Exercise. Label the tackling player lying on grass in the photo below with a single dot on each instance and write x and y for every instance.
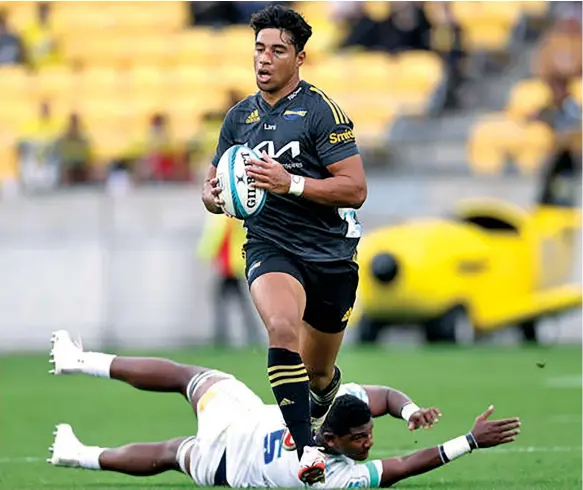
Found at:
(239, 439)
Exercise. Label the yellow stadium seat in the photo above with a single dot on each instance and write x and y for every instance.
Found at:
(315, 12)
(54, 81)
(146, 49)
(490, 142)
(20, 14)
(575, 89)
(8, 162)
(485, 35)
(97, 83)
(146, 79)
(534, 147)
(192, 46)
(419, 75)
(15, 82)
(377, 11)
(527, 98)
(187, 79)
(535, 8)
(234, 78)
(16, 112)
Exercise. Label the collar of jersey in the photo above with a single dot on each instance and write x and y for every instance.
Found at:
(264, 106)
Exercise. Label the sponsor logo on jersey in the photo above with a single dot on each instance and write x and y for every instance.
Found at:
(347, 135)
(293, 114)
(269, 147)
(253, 117)
(269, 127)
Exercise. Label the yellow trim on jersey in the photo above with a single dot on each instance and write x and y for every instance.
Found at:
(285, 368)
(339, 116)
(290, 381)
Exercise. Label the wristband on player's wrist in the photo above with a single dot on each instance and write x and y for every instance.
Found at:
(408, 409)
(457, 447)
(296, 185)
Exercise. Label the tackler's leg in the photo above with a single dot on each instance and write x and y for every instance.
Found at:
(141, 459)
(143, 373)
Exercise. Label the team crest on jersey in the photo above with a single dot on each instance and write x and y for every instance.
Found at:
(293, 114)
(253, 117)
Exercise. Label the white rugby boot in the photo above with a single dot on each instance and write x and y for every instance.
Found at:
(66, 449)
(312, 466)
(66, 354)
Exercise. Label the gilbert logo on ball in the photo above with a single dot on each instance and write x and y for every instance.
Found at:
(241, 199)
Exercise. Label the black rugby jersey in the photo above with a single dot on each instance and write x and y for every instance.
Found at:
(305, 131)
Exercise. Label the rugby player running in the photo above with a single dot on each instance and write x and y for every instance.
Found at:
(239, 440)
(300, 249)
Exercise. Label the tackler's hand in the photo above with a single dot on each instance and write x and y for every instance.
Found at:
(424, 417)
(269, 175)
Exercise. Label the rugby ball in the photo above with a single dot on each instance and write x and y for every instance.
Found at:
(241, 200)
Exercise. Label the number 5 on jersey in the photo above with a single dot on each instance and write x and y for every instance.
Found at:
(272, 446)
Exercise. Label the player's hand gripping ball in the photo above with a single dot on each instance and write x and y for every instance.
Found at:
(240, 198)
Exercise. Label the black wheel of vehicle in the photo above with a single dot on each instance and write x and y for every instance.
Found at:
(369, 330)
(529, 331)
(453, 326)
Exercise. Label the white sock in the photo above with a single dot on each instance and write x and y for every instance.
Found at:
(89, 457)
(96, 363)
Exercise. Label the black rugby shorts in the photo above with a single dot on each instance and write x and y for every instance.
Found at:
(330, 286)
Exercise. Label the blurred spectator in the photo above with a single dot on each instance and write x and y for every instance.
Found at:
(37, 165)
(362, 30)
(221, 243)
(11, 46)
(72, 152)
(216, 14)
(407, 28)
(559, 52)
(40, 40)
(446, 39)
(159, 159)
(201, 148)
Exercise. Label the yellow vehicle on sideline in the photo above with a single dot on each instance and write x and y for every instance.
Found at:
(489, 266)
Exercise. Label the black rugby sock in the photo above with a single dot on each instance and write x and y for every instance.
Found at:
(291, 387)
(320, 400)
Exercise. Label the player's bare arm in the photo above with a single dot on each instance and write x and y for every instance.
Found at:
(346, 187)
(485, 433)
(384, 400)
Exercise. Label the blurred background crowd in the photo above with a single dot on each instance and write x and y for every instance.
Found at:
(123, 95)
(94, 90)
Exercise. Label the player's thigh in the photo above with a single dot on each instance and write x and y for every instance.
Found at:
(331, 293)
(225, 402)
(276, 285)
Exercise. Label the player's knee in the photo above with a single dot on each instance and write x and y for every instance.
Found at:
(169, 453)
(283, 332)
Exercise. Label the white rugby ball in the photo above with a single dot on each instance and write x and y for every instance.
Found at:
(241, 200)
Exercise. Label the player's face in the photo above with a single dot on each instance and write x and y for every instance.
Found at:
(276, 60)
(356, 444)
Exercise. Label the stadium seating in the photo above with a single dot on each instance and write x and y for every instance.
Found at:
(527, 98)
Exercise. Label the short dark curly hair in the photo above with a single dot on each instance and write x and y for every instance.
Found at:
(286, 19)
(347, 412)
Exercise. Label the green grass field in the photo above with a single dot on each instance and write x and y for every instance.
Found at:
(462, 383)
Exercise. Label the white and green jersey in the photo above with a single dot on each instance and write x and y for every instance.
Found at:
(255, 457)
